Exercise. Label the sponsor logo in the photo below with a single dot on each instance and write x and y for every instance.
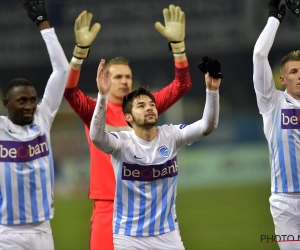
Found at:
(17, 151)
(290, 118)
(163, 151)
(135, 172)
(114, 134)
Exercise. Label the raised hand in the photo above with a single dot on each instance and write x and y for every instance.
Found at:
(212, 84)
(36, 10)
(103, 78)
(275, 11)
(174, 29)
(84, 35)
(212, 66)
(294, 6)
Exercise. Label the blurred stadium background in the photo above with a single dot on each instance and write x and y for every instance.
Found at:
(224, 182)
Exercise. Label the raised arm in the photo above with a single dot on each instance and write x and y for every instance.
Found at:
(60, 67)
(262, 73)
(102, 140)
(210, 117)
(174, 32)
(82, 104)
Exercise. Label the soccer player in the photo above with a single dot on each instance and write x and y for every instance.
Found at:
(280, 111)
(102, 180)
(145, 164)
(26, 160)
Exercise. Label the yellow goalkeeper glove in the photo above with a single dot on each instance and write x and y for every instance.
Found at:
(84, 35)
(174, 29)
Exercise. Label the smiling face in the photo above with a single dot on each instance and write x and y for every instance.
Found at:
(290, 78)
(21, 103)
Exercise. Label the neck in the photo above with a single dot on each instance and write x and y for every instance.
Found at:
(115, 99)
(294, 95)
(147, 134)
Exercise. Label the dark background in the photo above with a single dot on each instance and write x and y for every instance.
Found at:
(224, 179)
(226, 30)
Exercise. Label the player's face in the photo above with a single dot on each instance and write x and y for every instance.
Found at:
(121, 82)
(291, 78)
(21, 103)
(144, 112)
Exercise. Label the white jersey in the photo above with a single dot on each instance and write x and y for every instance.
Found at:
(147, 172)
(280, 113)
(26, 160)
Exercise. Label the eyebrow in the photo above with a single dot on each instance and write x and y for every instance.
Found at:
(119, 74)
(142, 101)
(292, 69)
(25, 96)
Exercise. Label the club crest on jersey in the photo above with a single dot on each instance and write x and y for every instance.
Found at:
(290, 118)
(163, 151)
(182, 126)
(34, 127)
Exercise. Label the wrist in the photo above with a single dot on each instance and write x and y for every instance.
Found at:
(76, 63)
(212, 91)
(43, 25)
(81, 52)
(180, 56)
(177, 47)
(102, 96)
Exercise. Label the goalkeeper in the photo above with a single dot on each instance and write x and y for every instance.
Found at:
(102, 180)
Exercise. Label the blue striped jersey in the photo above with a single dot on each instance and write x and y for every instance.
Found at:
(26, 171)
(282, 130)
(146, 182)
(281, 117)
(26, 161)
(146, 172)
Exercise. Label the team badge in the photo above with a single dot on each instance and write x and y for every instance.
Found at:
(182, 126)
(164, 151)
(34, 127)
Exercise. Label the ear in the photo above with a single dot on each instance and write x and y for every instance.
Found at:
(5, 102)
(282, 80)
(128, 118)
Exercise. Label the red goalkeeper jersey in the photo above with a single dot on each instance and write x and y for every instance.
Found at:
(102, 179)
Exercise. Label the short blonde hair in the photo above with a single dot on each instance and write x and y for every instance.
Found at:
(292, 56)
(117, 61)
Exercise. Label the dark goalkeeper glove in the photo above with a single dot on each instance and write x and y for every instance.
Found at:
(275, 11)
(212, 66)
(294, 6)
(36, 10)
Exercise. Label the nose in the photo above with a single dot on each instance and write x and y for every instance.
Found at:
(124, 80)
(150, 108)
(29, 105)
